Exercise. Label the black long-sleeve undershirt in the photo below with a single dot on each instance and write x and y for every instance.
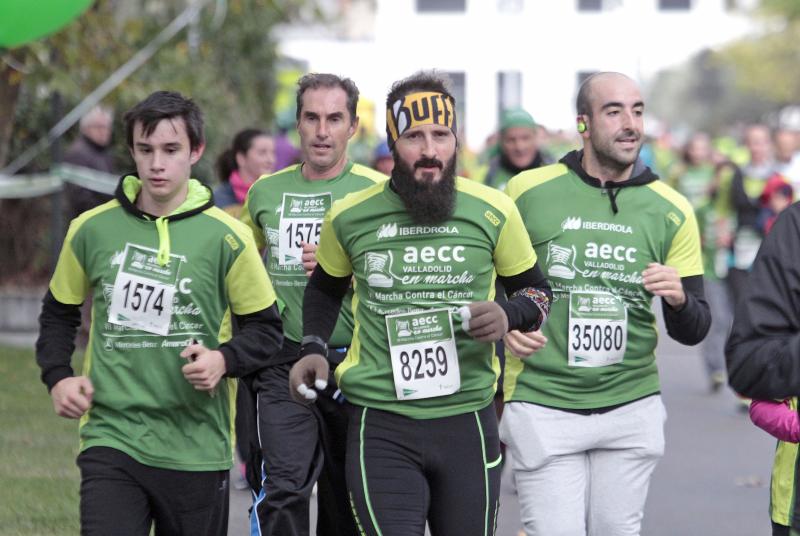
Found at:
(324, 293)
(259, 336)
(58, 324)
(521, 315)
(689, 324)
(322, 301)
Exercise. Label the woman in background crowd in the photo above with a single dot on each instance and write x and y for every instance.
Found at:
(251, 155)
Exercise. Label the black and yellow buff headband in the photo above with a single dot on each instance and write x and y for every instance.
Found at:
(420, 108)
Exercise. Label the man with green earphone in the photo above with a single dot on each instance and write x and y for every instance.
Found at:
(584, 418)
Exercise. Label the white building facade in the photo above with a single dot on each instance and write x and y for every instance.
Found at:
(505, 53)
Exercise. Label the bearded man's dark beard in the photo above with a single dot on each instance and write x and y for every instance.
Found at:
(427, 202)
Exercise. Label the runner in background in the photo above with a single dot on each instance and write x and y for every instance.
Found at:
(746, 190)
(519, 148)
(304, 445)
(707, 188)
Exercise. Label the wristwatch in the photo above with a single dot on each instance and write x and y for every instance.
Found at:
(312, 344)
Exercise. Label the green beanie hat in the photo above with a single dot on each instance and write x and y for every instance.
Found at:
(516, 117)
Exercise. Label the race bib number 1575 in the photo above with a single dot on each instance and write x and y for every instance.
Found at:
(300, 221)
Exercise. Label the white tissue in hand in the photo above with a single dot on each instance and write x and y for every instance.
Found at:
(306, 392)
(320, 384)
(466, 315)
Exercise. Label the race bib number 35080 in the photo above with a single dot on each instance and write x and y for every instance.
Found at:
(423, 352)
(598, 329)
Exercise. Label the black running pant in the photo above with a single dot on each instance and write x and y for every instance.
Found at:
(123, 497)
(301, 444)
(402, 471)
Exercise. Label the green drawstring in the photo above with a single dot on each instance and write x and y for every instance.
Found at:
(163, 241)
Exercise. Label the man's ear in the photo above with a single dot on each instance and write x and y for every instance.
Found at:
(196, 153)
(582, 125)
(353, 128)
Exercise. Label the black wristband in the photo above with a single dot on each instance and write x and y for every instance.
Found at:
(311, 344)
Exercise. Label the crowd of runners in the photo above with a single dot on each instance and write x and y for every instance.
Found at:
(385, 330)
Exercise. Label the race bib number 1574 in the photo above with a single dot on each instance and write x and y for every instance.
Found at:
(143, 291)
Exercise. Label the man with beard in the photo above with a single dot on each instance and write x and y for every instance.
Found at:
(304, 445)
(423, 249)
(584, 419)
(519, 148)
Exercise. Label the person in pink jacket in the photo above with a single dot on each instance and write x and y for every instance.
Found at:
(780, 419)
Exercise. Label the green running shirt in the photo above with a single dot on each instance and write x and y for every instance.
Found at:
(601, 330)
(284, 209)
(142, 404)
(401, 267)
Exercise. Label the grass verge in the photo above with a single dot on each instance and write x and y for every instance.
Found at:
(39, 480)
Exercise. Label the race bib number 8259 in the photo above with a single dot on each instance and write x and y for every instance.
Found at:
(423, 352)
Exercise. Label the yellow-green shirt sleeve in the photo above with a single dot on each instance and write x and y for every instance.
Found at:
(514, 253)
(69, 284)
(330, 253)
(248, 285)
(684, 252)
(247, 218)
